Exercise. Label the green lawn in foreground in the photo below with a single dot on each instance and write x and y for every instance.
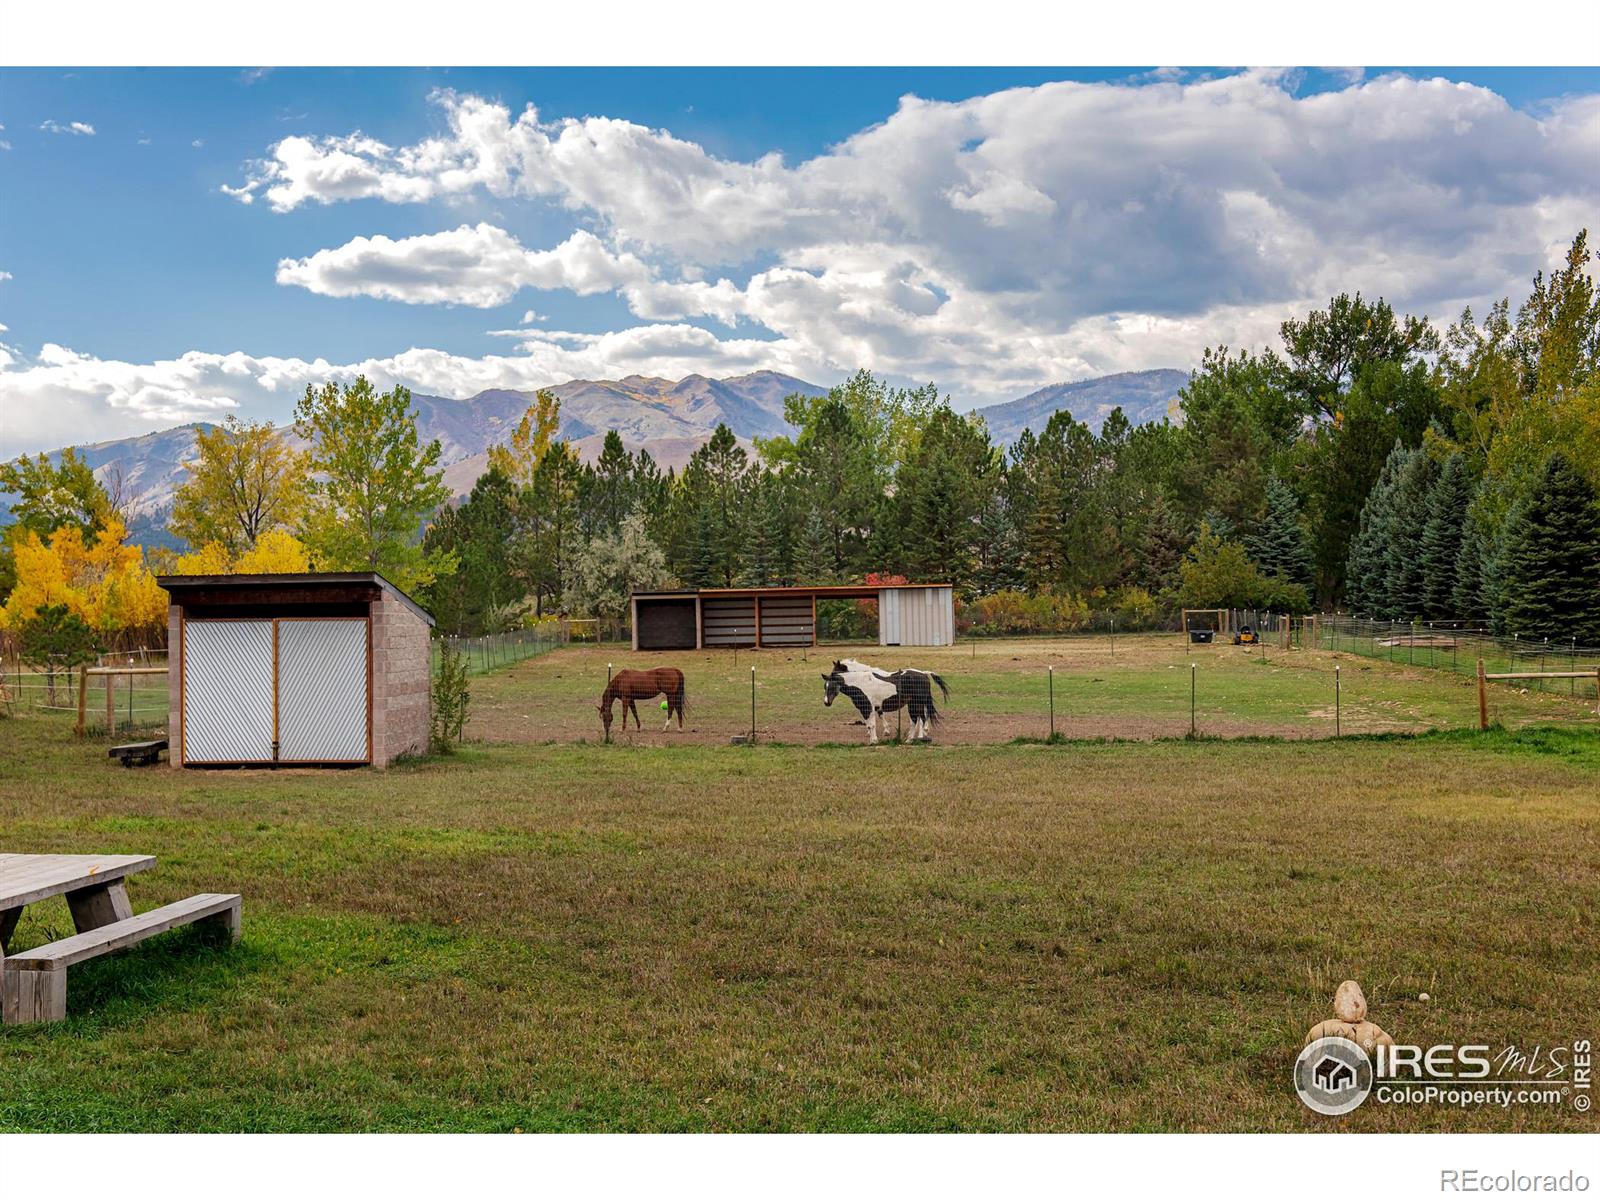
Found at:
(1111, 937)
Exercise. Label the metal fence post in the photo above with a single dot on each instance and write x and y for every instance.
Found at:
(1050, 671)
(1336, 729)
(1192, 669)
(752, 706)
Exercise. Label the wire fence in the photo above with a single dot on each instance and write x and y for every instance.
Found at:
(495, 650)
(1285, 683)
(1457, 647)
(117, 691)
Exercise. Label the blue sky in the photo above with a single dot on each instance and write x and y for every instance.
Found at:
(997, 234)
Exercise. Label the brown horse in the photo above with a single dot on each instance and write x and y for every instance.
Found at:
(631, 686)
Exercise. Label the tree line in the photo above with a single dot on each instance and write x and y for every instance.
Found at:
(1367, 459)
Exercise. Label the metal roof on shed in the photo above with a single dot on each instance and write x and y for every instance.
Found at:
(176, 584)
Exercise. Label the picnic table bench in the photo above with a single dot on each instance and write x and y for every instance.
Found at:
(33, 983)
(138, 754)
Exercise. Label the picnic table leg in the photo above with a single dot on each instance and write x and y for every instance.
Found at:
(8, 926)
(93, 907)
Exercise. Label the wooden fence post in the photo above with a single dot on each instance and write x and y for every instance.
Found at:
(83, 697)
(111, 704)
(1483, 698)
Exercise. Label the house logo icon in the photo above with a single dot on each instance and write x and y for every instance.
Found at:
(1333, 1076)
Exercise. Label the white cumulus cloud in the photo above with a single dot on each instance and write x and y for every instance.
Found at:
(994, 244)
(76, 128)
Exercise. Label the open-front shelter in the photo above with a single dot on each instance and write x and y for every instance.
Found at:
(909, 614)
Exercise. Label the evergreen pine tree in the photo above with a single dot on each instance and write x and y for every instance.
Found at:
(1408, 518)
(1278, 544)
(1043, 552)
(1442, 537)
(1550, 559)
(814, 557)
(1162, 543)
(1220, 526)
(704, 550)
(1466, 592)
(1366, 571)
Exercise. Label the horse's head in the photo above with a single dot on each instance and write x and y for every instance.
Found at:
(830, 687)
(604, 708)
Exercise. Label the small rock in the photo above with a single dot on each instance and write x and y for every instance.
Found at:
(1348, 1002)
(1423, 996)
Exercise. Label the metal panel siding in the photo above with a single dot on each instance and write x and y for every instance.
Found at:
(916, 617)
(728, 621)
(227, 691)
(322, 691)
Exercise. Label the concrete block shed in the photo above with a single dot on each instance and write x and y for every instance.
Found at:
(322, 669)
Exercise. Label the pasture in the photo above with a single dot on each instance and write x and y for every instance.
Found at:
(667, 934)
(1135, 687)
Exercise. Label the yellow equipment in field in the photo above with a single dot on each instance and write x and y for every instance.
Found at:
(1246, 636)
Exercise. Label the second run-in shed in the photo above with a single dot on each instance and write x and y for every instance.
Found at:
(305, 669)
(911, 614)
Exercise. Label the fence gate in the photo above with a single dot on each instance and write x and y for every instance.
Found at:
(227, 691)
(322, 690)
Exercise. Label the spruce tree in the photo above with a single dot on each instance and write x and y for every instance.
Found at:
(1466, 591)
(1442, 537)
(1366, 571)
(1278, 543)
(704, 550)
(1408, 518)
(1550, 559)
(814, 560)
(1162, 542)
(1220, 526)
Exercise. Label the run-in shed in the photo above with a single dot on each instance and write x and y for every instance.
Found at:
(310, 669)
(909, 614)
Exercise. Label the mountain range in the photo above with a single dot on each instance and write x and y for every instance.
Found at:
(669, 419)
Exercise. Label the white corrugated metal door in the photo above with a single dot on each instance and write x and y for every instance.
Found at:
(227, 691)
(322, 690)
(889, 617)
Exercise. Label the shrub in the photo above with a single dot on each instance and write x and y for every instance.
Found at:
(450, 699)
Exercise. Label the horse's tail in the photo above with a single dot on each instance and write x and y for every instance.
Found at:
(943, 686)
(682, 698)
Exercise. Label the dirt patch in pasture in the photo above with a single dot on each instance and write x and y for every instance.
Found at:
(506, 721)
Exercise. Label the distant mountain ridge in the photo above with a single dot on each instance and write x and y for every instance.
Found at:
(668, 418)
(1143, 396)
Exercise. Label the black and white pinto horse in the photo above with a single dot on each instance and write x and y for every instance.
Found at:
(874, 693)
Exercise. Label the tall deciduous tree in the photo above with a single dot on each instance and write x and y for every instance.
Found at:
(372, 484)
(245, 480)
(47, 495)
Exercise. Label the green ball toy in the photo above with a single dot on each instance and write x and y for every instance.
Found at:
(663, 706)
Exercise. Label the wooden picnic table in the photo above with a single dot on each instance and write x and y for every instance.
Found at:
(33, 984)
(92, 883)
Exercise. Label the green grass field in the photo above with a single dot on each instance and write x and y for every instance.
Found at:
(1134, 688)
(679, 935)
